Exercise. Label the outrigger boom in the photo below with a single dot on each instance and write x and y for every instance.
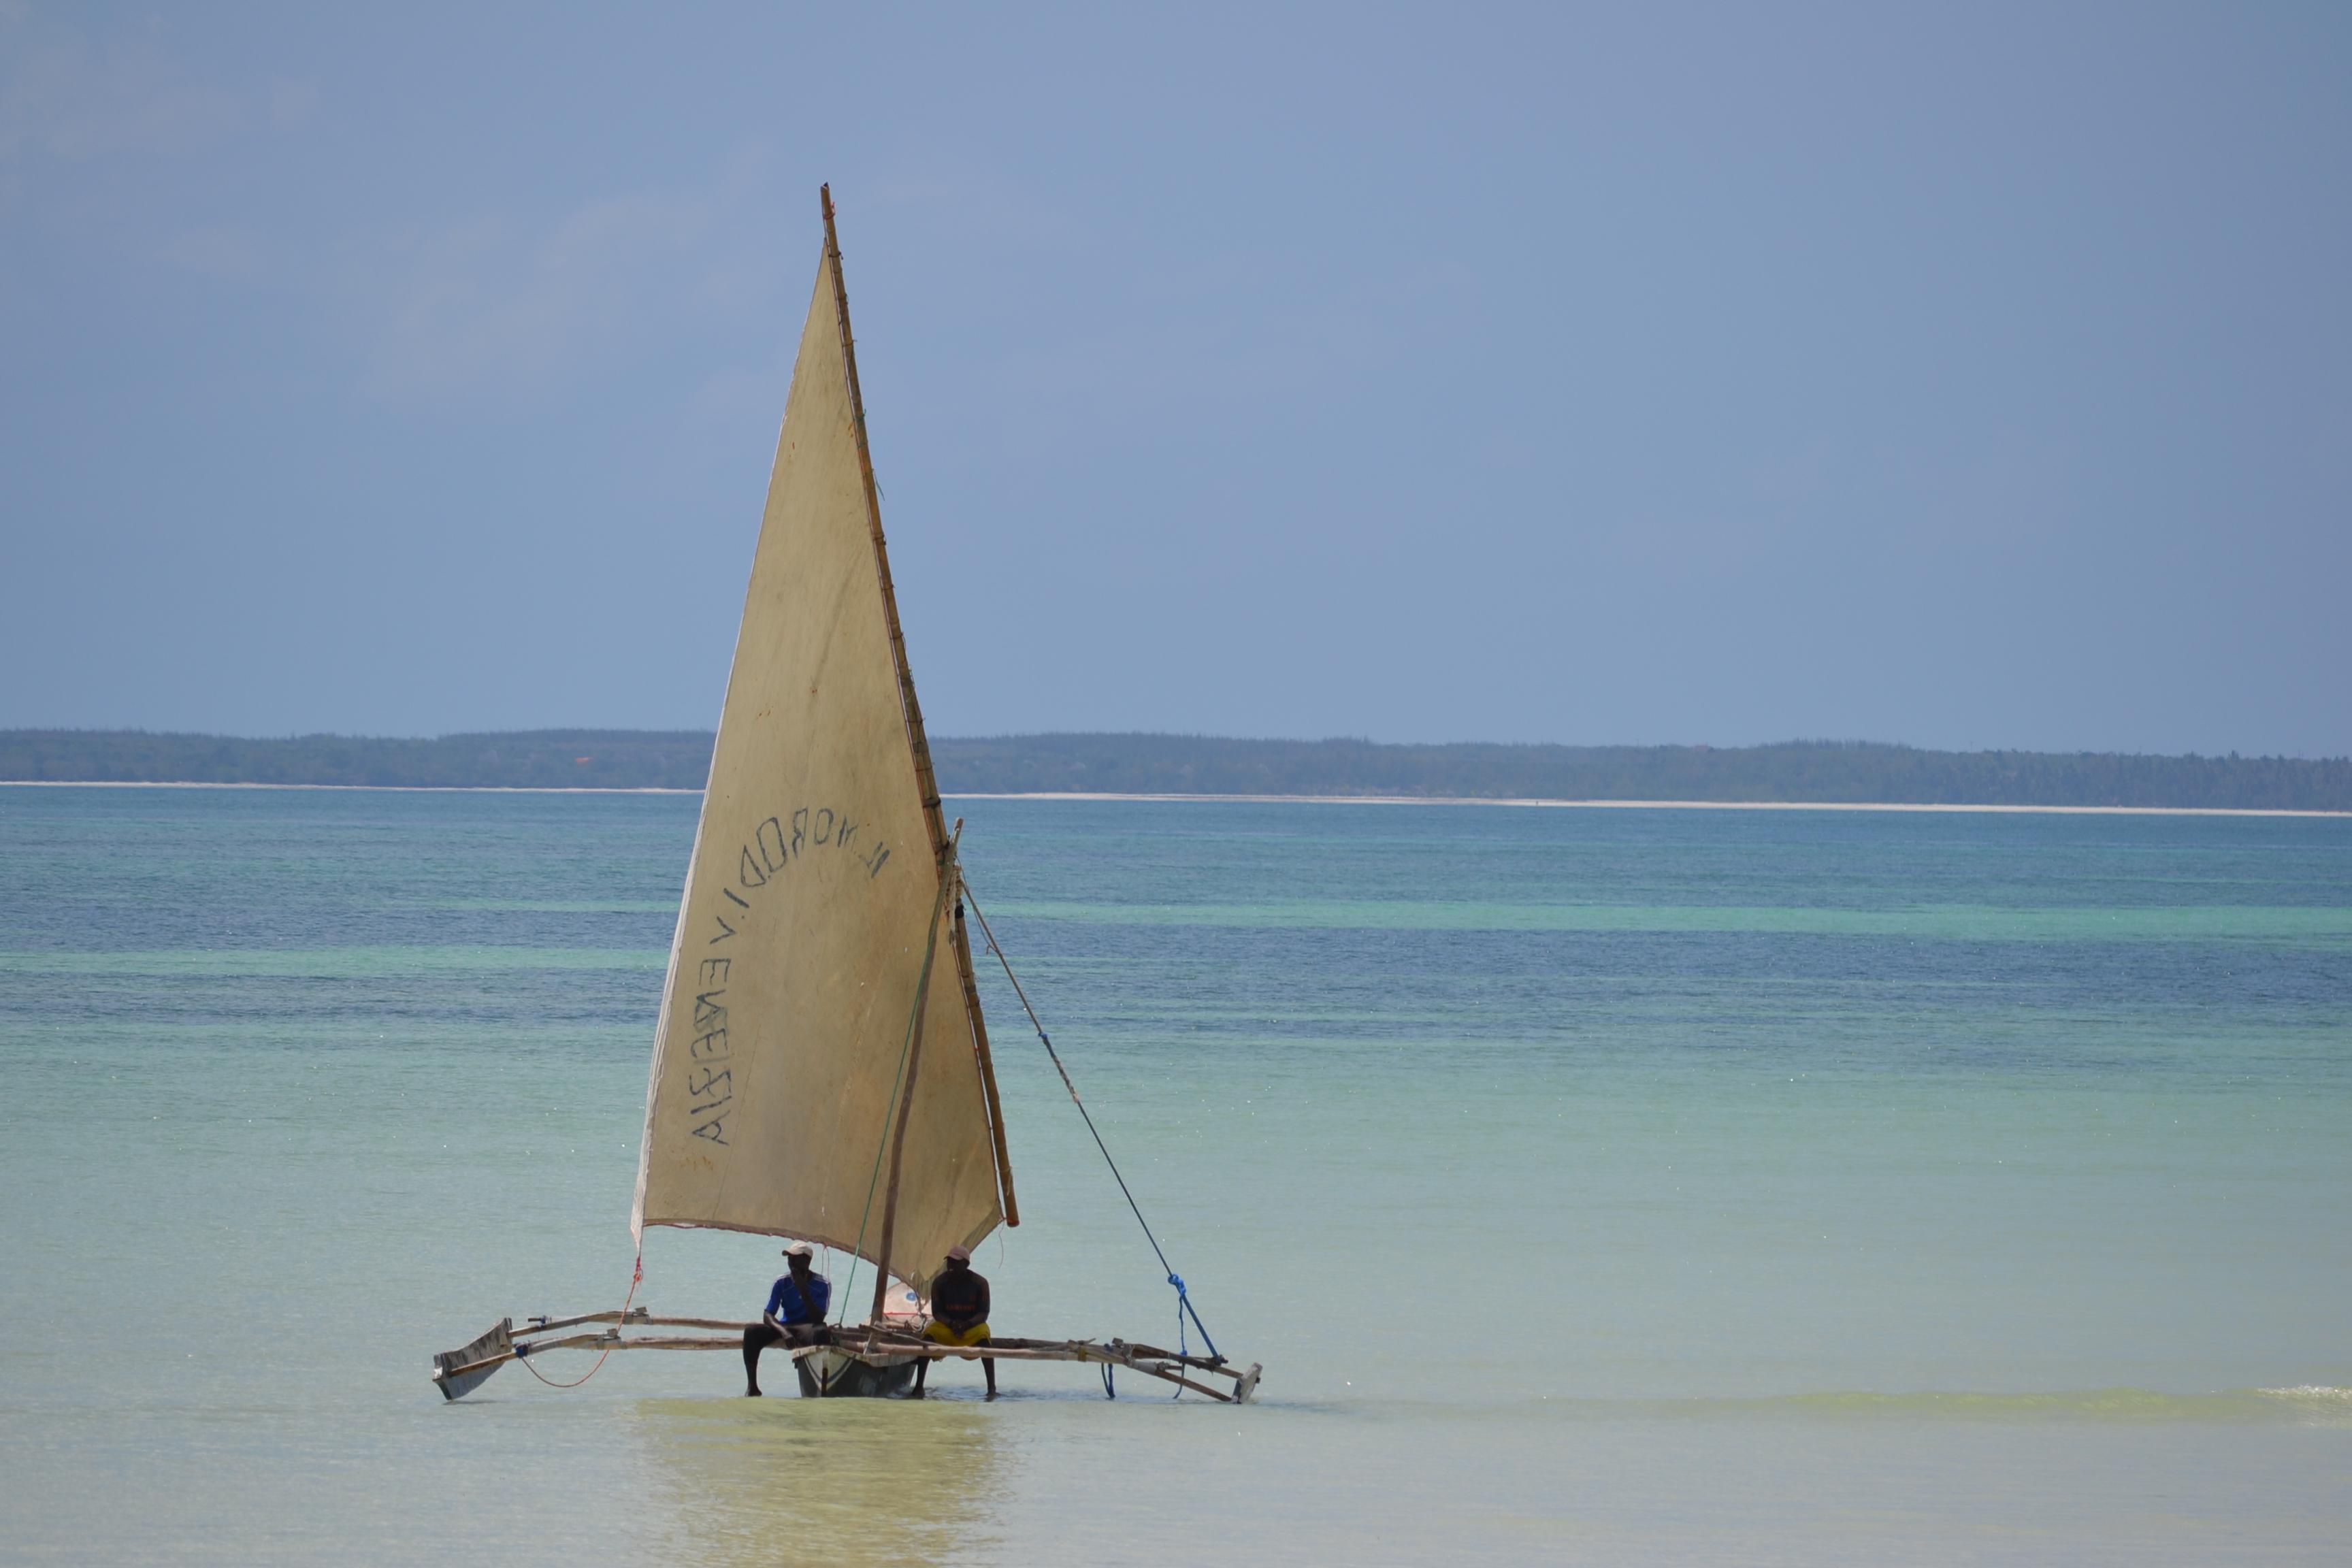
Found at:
(459, 1372)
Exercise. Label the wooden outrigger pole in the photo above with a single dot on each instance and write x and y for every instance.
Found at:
(457, 1371)
(906, 1106)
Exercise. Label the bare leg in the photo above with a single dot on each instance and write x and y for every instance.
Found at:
(988, 1370)
(756, 1337)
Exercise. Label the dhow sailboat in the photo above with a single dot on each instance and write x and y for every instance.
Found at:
(821, 1066)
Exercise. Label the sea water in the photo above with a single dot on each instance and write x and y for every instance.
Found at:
(1595, 1186)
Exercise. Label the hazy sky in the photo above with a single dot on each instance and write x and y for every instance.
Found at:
(1964, 375)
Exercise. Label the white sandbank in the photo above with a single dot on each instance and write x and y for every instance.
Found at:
(1258, 799)
(388, 789)
(1672, 805)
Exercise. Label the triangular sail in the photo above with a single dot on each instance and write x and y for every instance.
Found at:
(815, 876)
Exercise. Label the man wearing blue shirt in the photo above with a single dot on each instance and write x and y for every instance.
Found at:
(795, 1313)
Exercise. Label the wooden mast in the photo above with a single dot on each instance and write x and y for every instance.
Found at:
(926, 780)
(906, 1106)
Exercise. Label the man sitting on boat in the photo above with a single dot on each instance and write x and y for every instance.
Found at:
(958, 1313)
(795, 1314)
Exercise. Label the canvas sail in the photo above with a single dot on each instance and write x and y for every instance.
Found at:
(812, 892)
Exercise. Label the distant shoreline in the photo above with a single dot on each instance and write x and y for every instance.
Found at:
(1665, 805)
(1793, 775)
(1896, 806)
(382, 789)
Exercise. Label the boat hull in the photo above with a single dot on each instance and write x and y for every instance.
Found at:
(827, 1372)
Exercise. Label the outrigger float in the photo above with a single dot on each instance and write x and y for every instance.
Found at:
(809, 1080)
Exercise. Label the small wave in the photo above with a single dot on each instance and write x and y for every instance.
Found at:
(2317, 1398)
(2096, 1404)
(2308, 1404)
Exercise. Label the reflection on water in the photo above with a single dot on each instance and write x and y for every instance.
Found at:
(841, 1482)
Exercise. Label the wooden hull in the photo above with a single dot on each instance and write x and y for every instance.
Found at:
(827, 1372)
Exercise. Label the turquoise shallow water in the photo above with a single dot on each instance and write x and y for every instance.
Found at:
(1596, 1186)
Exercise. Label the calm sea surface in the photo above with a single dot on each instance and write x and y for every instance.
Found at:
(1609, 1186)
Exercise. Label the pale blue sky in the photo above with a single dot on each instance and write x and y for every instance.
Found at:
(1966, 375)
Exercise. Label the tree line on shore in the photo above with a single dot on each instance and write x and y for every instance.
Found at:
(1830, 771)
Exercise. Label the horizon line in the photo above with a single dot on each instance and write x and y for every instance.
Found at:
(1520, 801)
(1820, 742)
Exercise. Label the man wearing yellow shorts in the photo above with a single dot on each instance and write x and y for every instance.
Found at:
(959, 1314)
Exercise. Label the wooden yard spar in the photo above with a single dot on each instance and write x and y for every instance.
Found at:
(919, 741)
(802, 1051)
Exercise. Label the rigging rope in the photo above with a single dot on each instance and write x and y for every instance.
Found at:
(1183, 1302)
(636, 1278)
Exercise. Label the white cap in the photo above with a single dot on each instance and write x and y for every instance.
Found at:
(800, 1249)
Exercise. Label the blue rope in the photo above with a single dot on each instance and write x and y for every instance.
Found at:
(1184, 1308)
(1183, 1304)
